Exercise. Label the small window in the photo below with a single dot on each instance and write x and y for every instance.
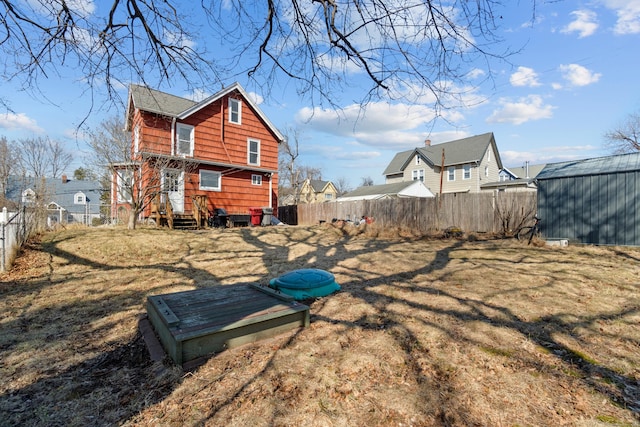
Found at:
(328, 196)
(210, 180)
(125, 186)
(451, 174)
(253, 152)
(235, 111)
(256, 179)
(184, 140)
(79, 199)
(418, 175)
(488, 155)
(466, 172)
(418, 159)
(486, 171)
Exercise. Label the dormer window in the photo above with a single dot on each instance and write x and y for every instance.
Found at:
(79, 199)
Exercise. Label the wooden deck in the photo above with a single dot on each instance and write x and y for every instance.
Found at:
(199, 323)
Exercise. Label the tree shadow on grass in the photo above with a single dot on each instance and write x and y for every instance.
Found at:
(89, 389)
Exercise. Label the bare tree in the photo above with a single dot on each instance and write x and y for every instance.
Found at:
(406, 49)
(139, 178)
(366, 181)
(288, 172)
(626, 138)
(8, 163)
(342, 186)
(41, 157)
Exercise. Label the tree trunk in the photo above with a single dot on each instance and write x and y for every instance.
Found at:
(133, 216)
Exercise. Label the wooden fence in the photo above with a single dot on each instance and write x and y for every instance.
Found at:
(483, 213)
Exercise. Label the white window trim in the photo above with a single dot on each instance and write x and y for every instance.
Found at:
(79, 199)
(449, 174)
(238, 103)
(486, 171)
(256, 179)
(191, 141)
(465, 169)
(218, 188)
(418, 159)
(249, 141)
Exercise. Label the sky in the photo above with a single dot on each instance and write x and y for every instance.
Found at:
(574, 78)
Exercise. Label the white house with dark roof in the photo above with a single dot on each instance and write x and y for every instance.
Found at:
(460, 166)
(67, 201)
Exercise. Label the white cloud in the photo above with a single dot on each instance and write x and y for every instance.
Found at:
(628, 12)
(513, 158)
(525, 76)
(577, 75)
(20, 121)
(475, 73)
(585, 23)
(255, 98)
(381, 124)
(525, 109)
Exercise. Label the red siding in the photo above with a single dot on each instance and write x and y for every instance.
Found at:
(218, 140)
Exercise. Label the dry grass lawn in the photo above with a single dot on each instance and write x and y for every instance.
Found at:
(425, 332)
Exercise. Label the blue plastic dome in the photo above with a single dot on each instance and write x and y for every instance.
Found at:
(305, 283)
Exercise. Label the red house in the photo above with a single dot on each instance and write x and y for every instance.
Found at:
(189, 158)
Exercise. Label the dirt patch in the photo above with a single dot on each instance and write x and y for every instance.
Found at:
(426, 331)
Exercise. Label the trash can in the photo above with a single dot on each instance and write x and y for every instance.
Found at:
(266, 216)
(256, 216)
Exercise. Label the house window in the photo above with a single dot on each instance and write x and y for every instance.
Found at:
(451, 174)
(136, 138)
(328, 196)
(418, 159)
(418, 175)
(253, 152)
(488, 155)
(184, 140)
(256, 179)
(79, 199)
(235, 111)
(466, 172)
(210, 180)
(486, 171)
(125, 186)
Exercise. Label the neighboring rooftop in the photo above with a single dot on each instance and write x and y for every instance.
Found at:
(596, 166)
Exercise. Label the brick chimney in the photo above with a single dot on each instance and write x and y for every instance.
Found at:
(427, 143)
(64, 179)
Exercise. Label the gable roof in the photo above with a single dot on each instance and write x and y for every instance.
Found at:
(157, 102)
(317, 185)
(521, 171)
(396, 189)
(460, 151)
(596, 166)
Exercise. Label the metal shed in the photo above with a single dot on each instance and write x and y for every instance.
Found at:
(593, 201)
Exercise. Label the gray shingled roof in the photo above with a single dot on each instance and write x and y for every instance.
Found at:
(318, 185)
(600, 165)
(461, 151)
(534, 170)
(158, 102)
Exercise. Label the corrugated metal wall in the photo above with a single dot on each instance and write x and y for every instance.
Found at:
(596, 209)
